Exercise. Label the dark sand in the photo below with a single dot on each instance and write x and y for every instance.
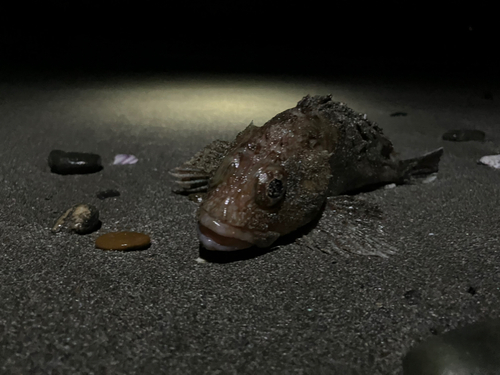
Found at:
(68, 307)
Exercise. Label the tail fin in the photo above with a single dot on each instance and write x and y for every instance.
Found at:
(422, 165)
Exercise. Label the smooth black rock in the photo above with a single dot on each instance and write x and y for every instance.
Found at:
(109, 193)
(464, 135)
(62, 162)
(473, 349)
(399, 114)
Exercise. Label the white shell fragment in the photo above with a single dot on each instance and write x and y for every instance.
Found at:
(430, 178)
(124, 159)
(491, 161)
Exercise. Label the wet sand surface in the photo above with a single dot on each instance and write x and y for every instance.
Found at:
(68, 307)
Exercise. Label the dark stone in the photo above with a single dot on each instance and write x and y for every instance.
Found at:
(123, 241)
(109, 193)
(488, 95)
(469, 350)
(464, 135)
(81, 219)
(412, 296)
(399, 114)
(61, 162)
(472, 290)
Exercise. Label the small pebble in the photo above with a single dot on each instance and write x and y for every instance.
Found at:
(390, 186)
(492, 161)
(109, 193)
(464, 135)
(123, 241)
(81, 219)
(61, 162)
(413, 297)
(123, 159)
(399, 114)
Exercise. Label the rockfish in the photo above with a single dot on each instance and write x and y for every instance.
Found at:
(274, 179)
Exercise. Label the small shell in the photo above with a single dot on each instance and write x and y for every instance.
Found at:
(123, 159)
(81, 219)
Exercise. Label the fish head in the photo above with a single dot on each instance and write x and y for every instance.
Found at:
(256, 197)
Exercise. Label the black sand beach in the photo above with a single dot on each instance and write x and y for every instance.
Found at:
(67, 307)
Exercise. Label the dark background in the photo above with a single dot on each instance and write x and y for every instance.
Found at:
(305, 38)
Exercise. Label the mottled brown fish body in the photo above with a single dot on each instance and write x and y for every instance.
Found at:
(274, 179)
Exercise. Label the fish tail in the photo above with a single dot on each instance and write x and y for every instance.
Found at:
(422, 165)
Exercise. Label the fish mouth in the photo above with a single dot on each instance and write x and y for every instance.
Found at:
(217, 235)
(213, 241)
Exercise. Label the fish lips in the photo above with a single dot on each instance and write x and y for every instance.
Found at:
(219, 236)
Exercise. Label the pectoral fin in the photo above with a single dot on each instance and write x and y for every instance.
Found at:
(194, 175)
(350, 225)
(189, 180)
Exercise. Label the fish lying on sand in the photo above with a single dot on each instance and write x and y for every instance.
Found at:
(274, 179)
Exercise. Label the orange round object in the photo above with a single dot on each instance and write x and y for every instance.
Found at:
(123, 241)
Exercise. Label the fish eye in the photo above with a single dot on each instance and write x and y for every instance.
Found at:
(275, 188)
(270, 189)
